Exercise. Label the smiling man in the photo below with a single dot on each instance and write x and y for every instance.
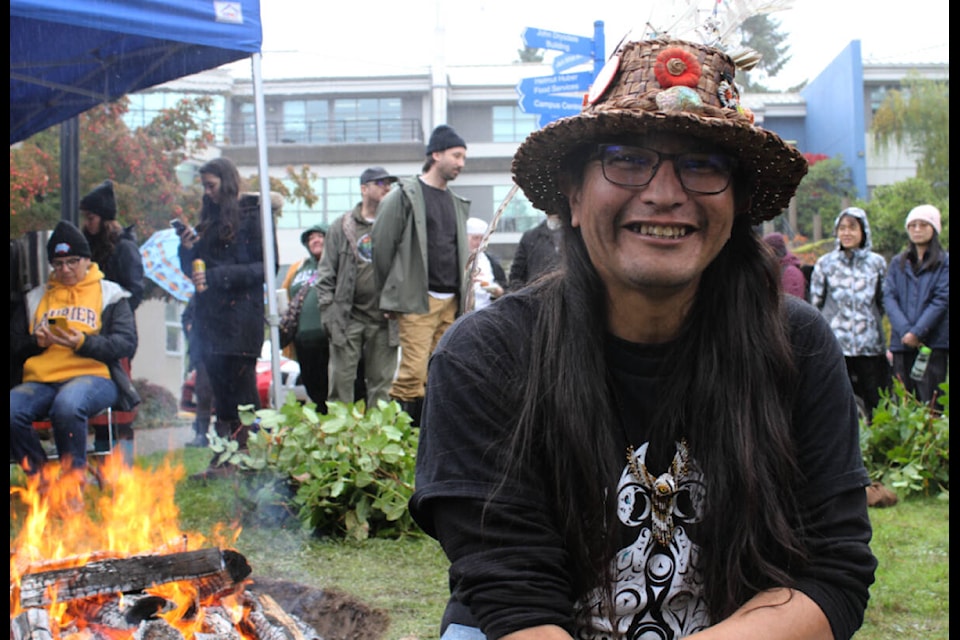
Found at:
(653, 441)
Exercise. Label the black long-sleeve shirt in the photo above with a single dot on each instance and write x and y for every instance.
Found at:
(509, 568)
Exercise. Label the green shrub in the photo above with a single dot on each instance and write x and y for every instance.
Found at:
(157, 408)
(907, 445)
(350, 472)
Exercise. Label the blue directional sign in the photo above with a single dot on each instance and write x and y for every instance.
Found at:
(552, 104)
(569, 60)
(560, 83)
(568, 43)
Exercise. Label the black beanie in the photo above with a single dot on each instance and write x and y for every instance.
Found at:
(443, 138)
(67, 240)
(101, 201)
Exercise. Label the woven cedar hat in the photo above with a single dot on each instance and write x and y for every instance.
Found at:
(664, 86)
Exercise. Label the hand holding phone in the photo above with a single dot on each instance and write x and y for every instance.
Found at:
(59, 322)
(187, 235)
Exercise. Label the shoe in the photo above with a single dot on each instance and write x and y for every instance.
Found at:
(880, 496)
(200, 441)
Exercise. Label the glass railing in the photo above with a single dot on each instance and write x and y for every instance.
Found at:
(325, 132)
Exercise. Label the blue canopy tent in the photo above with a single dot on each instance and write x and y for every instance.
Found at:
(67, 56)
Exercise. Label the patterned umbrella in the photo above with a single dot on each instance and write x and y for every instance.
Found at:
(162, 265)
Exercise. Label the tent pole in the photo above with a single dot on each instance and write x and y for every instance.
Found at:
(269, 241)
(70, 170)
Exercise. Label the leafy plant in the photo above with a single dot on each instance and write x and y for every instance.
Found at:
(907, 444)
(349, 472)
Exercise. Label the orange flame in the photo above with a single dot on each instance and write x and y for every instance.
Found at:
(61, 522)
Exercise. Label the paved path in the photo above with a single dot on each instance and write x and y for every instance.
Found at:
(147, 441)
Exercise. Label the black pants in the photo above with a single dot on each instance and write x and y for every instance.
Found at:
(868, 374)
(925, 388)
(233, 380)
(314, 359)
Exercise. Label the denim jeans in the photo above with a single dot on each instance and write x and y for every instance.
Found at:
(460, 632)
(68, 405)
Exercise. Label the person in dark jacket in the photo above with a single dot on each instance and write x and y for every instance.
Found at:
(791, 274)
(113, 247)
(537, 253)
(71, 370)
(651, 441)
(229, 316)
(916, 297)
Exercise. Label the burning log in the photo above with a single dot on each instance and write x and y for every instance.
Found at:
(213, 569)
(33, 624)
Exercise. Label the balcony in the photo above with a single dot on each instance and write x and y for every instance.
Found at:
(326, 132)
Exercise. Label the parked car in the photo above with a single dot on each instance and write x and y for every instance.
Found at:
(289, 381)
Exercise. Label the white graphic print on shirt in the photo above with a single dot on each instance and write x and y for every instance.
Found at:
(658, 594)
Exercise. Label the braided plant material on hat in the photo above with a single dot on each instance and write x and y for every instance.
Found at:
(664, 86)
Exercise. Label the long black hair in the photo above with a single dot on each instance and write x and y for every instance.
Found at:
(932, 257)
(224, 216)
(728, 390)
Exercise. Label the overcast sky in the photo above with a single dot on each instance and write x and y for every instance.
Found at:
(302, 39)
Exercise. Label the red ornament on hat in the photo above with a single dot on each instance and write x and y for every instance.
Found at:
(675, 66)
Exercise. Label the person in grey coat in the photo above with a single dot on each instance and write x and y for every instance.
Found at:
(420, 253)
(350, 300)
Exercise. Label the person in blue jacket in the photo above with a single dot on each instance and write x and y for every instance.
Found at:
(916, 296)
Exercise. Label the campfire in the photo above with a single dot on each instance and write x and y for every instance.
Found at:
(118, 567)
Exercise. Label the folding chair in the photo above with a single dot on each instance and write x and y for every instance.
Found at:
(107, 421)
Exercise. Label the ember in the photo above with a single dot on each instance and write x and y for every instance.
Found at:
(128, 572)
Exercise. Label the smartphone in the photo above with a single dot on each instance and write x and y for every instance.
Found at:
(178, 226)
(59, 322)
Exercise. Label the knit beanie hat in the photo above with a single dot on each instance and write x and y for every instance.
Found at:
(67, 240)
(926, 212)
(443, 138)
(101, 201)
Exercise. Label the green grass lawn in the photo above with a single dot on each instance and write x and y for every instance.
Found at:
(407, 579)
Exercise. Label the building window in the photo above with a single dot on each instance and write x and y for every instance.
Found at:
(510, 124)
(145, 107)
(367, 120)
(173, 328)
(519, 215)
(297, 215)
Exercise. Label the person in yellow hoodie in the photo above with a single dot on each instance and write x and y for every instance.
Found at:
(70, 335)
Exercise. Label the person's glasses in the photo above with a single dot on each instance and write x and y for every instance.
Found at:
(65, 263)
(383, 182)
(704, 173)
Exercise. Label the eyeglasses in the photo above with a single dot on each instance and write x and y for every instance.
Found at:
(67, 262)
(384, 182)
(704, 173)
